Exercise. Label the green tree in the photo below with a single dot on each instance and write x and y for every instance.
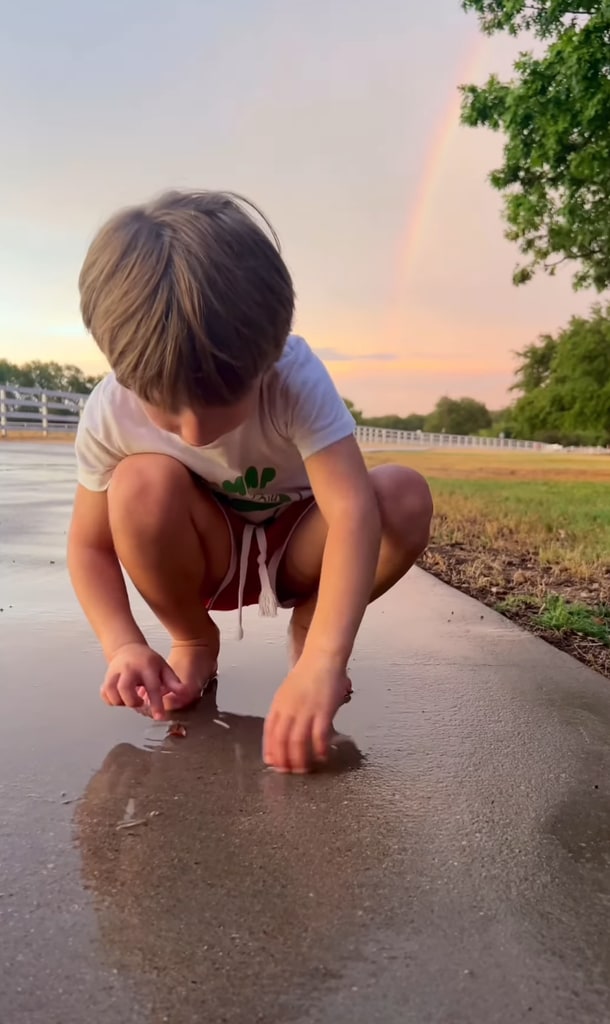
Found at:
(414, 421)
(571, 402)
(8, 372)
(50, 376)
(536, 363)
(501, 423)
(555, 116)
(458, 416)
(356, 413)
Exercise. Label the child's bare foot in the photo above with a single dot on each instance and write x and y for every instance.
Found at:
(195, 663)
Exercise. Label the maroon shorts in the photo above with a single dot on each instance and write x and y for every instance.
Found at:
(247, 540)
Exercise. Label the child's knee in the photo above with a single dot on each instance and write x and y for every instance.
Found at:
(405, 503)
(144, 488)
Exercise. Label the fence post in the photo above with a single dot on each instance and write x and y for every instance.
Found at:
(2, 412)
(45, 414)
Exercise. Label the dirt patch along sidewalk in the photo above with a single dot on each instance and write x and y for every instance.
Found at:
(570, 613)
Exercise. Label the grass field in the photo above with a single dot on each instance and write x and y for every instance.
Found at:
(527, 534)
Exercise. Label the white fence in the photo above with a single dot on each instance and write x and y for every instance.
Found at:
(377, 437)
(33, 410)
(24, 410)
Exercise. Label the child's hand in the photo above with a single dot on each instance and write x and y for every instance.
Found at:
(136, 666)
(299, 723)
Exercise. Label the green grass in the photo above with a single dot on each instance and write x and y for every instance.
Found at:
(561, 616)
(562, 523)
(555, 508)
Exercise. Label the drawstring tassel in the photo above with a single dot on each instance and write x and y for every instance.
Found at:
(267, 602)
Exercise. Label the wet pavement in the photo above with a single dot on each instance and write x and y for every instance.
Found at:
(453, 865)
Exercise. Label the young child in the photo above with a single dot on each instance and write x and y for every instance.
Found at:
(218, 465)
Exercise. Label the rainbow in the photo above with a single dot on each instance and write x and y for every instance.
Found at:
(430, 178)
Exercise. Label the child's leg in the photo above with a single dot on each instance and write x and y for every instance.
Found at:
(405, 505)
(173, 541)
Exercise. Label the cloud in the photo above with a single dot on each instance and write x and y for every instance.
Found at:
(333, 355)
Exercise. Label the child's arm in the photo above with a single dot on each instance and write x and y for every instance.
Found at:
(96, 574)
(98, 581)
(344, 494)
(301, 715)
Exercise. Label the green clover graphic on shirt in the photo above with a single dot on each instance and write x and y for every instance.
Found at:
(238, 493)
(249, 481)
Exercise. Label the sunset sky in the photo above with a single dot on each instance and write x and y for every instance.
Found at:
(338, 117)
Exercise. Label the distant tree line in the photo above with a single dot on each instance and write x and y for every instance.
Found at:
(562, 385)
(49, 376)
(449, 416)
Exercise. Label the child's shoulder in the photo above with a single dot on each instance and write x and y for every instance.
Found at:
(299, 376)
(298, 363)
(110, 406)
(296, 350)
(303, 402)
(108, 394)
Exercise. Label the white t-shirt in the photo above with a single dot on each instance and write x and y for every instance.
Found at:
(256, 469)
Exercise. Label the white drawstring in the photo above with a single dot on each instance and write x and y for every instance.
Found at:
(267, 602)
(246, 541)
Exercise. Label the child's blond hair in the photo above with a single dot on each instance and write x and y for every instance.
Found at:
(188, 298)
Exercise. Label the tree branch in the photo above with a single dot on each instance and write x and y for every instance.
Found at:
(539, 9)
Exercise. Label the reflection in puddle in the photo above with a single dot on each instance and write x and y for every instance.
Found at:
(219, 871)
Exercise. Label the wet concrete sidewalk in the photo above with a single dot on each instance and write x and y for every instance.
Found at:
(453, 867)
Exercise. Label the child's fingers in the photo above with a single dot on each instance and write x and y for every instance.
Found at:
(287, 744)
(127, 689)
(170, 679)
(109, 690)
(151, 679)
(112, 690)
(299, 746)
(277, 738)
(281, 738)
(320, 735)
(269, 738)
